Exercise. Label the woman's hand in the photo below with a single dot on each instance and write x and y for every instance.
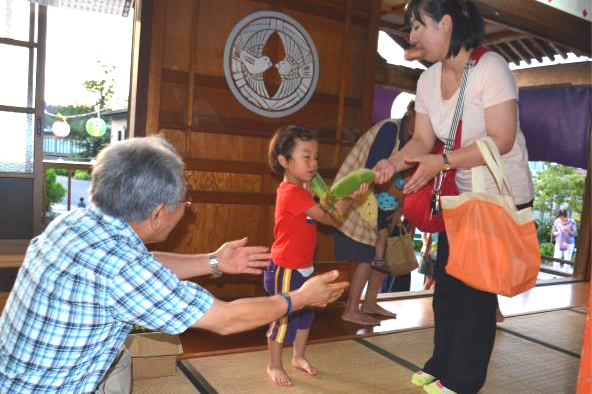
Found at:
(428, 166)
(384, 170)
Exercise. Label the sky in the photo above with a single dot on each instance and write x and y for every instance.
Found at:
(75, 41)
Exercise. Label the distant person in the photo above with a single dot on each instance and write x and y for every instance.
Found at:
(81, 203)
(427, 261)
(293, 153)
(564, 232)
(88, 278)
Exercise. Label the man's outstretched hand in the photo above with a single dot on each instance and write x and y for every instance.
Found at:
(235, 257)
(320, 290)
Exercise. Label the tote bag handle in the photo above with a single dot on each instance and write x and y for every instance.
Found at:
(493, 161)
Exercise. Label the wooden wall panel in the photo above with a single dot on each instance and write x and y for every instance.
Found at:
(356, 57)
(224, 145)
(326, 34)
(177, 48)
(216, 20)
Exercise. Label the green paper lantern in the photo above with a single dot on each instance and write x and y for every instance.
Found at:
(96, 127)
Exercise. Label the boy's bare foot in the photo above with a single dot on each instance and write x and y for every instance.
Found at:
(305, 365)
(360, 318)
(278, 376)
(378, 310)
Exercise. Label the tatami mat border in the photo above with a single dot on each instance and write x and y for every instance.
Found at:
(538, 342)
(393, 357)
(196, 378)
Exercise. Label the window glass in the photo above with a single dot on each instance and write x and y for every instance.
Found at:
(14, 76)
(14, 19)
(16, 142)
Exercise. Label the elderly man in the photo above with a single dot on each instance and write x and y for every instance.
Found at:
(88, 278)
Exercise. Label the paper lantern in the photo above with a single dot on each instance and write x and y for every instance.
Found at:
(60, 129)
(96, 127)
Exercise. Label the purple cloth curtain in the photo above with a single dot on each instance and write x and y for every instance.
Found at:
(383, 103)
(556, 124)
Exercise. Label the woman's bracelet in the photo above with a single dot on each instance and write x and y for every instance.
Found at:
(286, 296)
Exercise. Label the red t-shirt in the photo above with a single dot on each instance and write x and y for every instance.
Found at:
(295, 233)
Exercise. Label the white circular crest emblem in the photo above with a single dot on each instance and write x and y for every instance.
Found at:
(245, 65)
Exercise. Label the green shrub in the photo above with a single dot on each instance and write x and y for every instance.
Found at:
(544, 230)
(54, 191)
(82, 174)
(547, 248)
(61, 171)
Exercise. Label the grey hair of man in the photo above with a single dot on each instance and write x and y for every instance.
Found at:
(133, 177)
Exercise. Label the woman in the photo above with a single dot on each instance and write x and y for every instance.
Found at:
(564, 232)
(446, 31)
(356, 239)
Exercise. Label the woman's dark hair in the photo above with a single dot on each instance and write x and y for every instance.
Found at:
(467, 23)
(283, 143)
(562, 212)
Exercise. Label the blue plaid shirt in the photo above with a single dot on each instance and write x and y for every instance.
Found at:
(83, 283)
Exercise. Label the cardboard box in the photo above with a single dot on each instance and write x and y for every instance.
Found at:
(154, 354)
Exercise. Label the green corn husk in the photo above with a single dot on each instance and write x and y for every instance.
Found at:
(343, 188)
(319, 187)
(351, 182)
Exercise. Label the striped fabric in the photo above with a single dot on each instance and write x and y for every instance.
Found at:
(283, 277)
(354, 226)
(83, 283)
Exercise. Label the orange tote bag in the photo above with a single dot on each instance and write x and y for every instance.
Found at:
(493, 245)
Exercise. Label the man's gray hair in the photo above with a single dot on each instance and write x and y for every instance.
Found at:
(133, 177)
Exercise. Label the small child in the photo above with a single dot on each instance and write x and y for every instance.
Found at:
(293, 153)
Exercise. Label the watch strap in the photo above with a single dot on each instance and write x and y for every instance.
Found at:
(214, 265)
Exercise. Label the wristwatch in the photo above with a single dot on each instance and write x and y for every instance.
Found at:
(446, 166)
(214, 264)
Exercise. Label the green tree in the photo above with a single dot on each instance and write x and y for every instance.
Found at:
(104, 88)
(558, 185)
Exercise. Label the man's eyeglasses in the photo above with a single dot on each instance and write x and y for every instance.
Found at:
(188, 199)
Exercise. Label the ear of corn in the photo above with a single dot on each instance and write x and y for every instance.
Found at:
(351, 182)
(343, 188)
(319, 187)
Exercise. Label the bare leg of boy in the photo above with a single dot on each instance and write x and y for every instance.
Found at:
(275, 368)
(298, 359)
(352, 311)
(370, 304)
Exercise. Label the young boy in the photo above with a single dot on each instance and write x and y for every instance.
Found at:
(293, 153)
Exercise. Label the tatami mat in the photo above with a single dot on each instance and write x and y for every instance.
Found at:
(176, 384)
(533, 354)
(563, 329)
(520, 366)
(344, 367)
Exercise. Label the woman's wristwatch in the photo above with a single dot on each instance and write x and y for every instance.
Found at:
(446, 166)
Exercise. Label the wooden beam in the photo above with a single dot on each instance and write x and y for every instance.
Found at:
(526, 49)
(502, 36)
(369, 67)
(540, 20)
(397, 77)
(518, 53)
(509, 52)
(502, 52)
(576, 74)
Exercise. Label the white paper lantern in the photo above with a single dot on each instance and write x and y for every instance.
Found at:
(60, 129)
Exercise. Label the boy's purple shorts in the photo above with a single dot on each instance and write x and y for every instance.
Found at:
(278, 280)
